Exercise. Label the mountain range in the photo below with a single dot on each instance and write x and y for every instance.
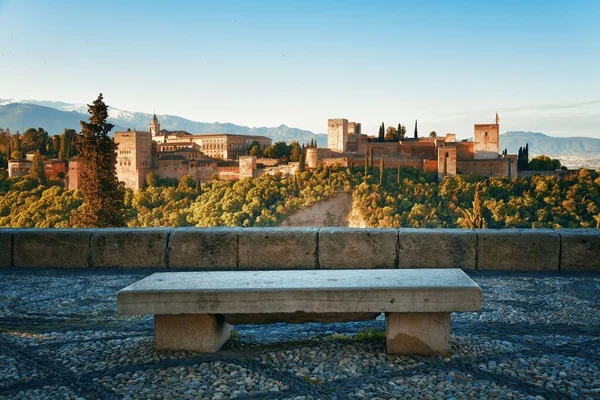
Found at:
(55, 116)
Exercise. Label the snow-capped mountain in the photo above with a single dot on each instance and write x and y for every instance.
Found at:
(55, 116)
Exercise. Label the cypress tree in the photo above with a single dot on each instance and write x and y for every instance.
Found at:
(302, 162)
(37, 171)
(103, 195)
(398, 177)
(381, 171)
(416, 131)
(478, 219)
(371, 156)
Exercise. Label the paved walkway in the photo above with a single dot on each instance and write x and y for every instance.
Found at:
(538, 336)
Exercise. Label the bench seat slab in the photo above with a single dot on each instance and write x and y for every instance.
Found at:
(418, 333)
(204, 333)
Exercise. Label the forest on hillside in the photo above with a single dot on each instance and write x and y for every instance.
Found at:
(387, 198)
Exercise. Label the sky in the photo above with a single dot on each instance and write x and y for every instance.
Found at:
(449, 64)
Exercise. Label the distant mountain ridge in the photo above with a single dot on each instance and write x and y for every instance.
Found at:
(55, 116)
(540, 143)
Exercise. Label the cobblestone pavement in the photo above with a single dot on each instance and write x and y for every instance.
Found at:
(537, 336)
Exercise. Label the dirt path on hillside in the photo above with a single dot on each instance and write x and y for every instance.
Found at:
(332, 212)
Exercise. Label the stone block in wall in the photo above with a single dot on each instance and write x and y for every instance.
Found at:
(357, 248)
(580, 250)
(518, 249)
(6, 255)
(278, 248)
(129, 248)
(437, 248)
(204, 248)
(51, 248)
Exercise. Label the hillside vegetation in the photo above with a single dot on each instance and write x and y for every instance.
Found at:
(410, 199)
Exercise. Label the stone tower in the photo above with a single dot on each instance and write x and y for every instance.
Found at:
(134, 157)
(337, 134)
(154, 127)
(486, 139)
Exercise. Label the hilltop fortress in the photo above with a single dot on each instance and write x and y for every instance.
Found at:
(203, 156)
(347, 146)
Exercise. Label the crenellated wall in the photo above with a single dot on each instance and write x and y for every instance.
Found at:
(302, 248)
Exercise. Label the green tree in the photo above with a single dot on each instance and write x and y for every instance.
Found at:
(68, 141)
(37, 170)
(416, 130)
(433, 134)
(295, 152)
(391, 134)
(254, 149)
(103, 195)
(381, 171)
(302, 162)
(381, 136)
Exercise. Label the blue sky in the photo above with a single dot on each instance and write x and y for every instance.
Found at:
(449, 64)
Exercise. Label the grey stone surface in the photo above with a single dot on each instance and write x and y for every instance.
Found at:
(60, 337)
(331, 291)
(437, 248)
(129, 247)
(278, 248)
(518, 249)
(580, 250)
(6, 254)
(204, 248)
(357, 248)
(64, 248)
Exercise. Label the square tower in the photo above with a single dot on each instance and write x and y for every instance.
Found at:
(134, 157)
(337, 134)
(486, 138)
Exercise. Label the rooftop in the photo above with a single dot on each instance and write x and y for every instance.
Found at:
(538, 334)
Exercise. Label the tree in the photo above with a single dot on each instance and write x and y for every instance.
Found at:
(37, 170)
(416, 131)
(295, 152)
(254, 149)
(103, 195)
(401, 132)
(302, 162)
(152, 180)
(391, 134)
(433, 134)
(381, 171)
(381, 136)
(68, 139)
(371, 156)
(398, 176)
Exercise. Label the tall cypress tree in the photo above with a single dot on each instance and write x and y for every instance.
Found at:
(416, 131)
(103, 195)
(398, 177)
(381, 171)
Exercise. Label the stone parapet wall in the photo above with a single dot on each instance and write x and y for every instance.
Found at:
(302, 248)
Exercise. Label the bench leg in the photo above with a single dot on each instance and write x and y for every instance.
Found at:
(205, 333)
(418, 333)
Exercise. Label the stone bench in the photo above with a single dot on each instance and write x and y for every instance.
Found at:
(193, 310)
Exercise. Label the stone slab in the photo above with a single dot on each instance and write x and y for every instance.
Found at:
(204, 248)
(357, 248)
(129, 248)
(323, 291)
(437, 248)
(191, 332)
(51, 248)
(6, 248)
(278, 248)
(518, 249)
(580, 250)
(418, 333)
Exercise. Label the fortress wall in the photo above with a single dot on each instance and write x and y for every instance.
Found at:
(302, 248)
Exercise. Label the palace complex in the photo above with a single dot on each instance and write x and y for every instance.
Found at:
(203, 156)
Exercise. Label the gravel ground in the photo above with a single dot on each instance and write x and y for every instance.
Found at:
(537, 336)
